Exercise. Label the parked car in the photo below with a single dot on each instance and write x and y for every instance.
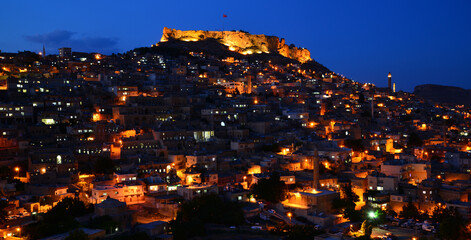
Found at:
(417, 226)
(408, 224)
(384, 226)
(396, 222)
(428, 227)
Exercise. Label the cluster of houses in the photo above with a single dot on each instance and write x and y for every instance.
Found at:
(147, 129)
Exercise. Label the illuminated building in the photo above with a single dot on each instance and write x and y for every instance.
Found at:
(130, 193)
(189, 192)
(310, 204)
(414, 171)
(118, 211)
(204, 160)
(381, 182)
(65, 52)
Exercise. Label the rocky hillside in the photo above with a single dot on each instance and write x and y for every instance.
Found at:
(241, 42)
(444, 94)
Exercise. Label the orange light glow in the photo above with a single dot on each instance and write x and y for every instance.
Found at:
(315, 191)
(254, 170)
(284, 151)
(43, 170)
(128, 133)
(17, 169)
(326, 164)
(96, 117)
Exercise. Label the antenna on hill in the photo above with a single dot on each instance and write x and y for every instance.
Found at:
(223, 16)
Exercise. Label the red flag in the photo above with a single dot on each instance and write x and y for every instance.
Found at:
(224, 16)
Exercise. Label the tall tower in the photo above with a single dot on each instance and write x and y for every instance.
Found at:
(44, 52)
(389, 81)
(315, 177)
(322, 108)
(249, 84)
(372, 108)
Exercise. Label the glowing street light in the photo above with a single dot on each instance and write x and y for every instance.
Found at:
(289, 214)
(372, 215)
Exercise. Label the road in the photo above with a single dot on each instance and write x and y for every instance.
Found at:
(401, 233)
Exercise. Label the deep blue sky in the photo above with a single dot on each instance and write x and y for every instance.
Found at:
(417, 41)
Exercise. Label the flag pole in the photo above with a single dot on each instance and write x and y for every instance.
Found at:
(223, 16)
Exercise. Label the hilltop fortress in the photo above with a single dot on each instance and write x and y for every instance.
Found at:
(241, 42)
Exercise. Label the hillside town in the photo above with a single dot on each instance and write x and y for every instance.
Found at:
(173, 141)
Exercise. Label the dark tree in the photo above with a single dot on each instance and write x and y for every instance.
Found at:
(450, 228)
(272, 189)
(355, 144)
(439, 213)
(295, 232)
(77, 234)
(6, 173)
(104, 165)
(367, 228)
(390, 211)
(208, 208)
(452, 225)
(347, 204)
(409, 211)
(414, 140)
(60, 219)
(3, 211)
(103, 222)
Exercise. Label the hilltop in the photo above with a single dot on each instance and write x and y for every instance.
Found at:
(241, 42)
(444, 94)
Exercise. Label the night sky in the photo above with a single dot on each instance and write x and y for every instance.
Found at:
(417, 41)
